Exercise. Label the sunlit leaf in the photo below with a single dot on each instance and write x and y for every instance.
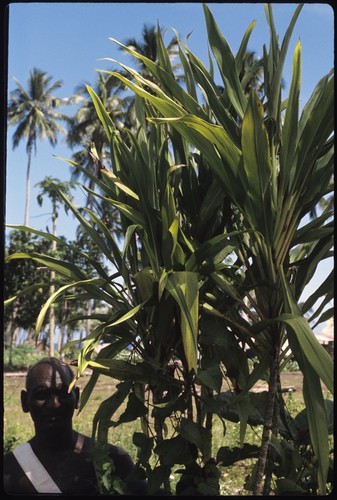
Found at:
(183, 286)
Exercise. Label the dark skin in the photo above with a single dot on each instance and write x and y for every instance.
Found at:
(64, 453)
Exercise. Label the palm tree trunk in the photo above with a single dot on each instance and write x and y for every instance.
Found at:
(27, 207)
(52, 290)
(51, 316)
(88, 307)
(10, 334)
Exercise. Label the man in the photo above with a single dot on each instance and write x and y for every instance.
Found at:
(57, 459)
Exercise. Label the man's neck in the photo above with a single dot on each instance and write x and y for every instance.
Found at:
(64, 440)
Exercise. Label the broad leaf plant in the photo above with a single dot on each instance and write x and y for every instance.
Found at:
(214, 190)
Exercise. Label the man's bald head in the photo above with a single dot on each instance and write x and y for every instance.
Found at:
(56, 365)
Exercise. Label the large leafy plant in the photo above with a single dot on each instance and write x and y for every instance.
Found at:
(213, 191)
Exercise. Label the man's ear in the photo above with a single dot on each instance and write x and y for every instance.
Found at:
(77, 396)
(24, 401)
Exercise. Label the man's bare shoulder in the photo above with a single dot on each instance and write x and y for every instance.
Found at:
(14, 479)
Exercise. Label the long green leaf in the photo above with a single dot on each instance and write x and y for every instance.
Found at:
(119, 184)
(316, 413)
(101, 113)
(318, 425)
(315, 355)
(242, 52)
(87, 391)
(256, 162)
(226, 63)
(315, 364)
(26, 291)
(126, 371)
(52, 298)
(128, 315)
(110, 241)
(44, 235)
(314, 230)
(290, 128)
(183, 286)
(164, 103)
(277, 58)
(95, 236)
(64, 268)
(188, 74)
(131, 213)
(325, 316)
(213, 134)
(319, 251)
(108, 407)
(213, 96)
(326, 289)
(167, 81)
(315, 128)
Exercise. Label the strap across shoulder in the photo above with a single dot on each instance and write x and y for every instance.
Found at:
(34, 470)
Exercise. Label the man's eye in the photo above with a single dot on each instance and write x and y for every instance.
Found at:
(44, 394)
(63, 394)
(41, 395)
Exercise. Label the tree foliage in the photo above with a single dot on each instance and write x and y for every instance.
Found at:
(33, 113)
(20, 274)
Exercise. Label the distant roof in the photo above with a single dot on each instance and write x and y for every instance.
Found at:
(327, 334)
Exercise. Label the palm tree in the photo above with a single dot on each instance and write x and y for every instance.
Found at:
(32, 110)
(87, 131)
(85, 128)
(47, 188)
(151, 47)
(148, 47)
(251, 73)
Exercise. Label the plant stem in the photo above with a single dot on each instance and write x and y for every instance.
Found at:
(271, 449)
(268, 417)
(158, 428)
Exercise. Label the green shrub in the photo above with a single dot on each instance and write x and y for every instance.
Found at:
(21, 357)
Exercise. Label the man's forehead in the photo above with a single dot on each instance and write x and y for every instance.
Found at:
(48, 374)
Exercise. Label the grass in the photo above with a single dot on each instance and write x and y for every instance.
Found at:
(18, 426)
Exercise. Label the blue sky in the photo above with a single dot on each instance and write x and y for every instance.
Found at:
(67, 40)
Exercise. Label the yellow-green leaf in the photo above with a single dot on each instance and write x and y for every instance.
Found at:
(183, 286)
